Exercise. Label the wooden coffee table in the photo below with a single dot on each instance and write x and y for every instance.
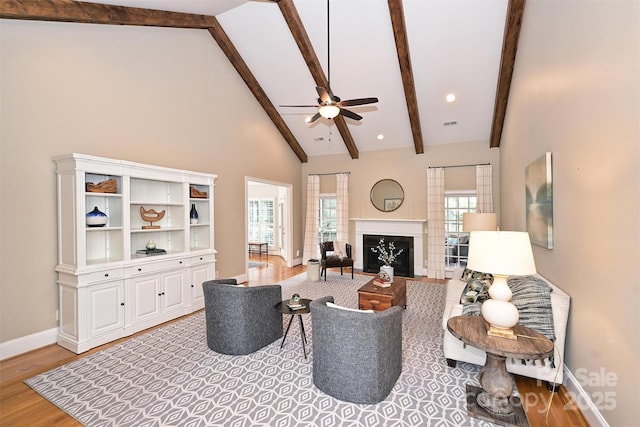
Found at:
(376, 298)
(493, 402)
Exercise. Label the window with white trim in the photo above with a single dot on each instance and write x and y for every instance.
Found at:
(457, 242)
(261, 220)
(327, 220)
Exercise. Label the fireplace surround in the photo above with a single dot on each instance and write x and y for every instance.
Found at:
(414, 228)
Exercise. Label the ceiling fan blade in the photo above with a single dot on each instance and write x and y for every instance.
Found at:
(299, 106)
(359, 101)
(350, 114)
(323, 94)
(315, 117)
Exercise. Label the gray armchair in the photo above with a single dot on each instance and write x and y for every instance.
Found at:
(241, 320)
(357, 357)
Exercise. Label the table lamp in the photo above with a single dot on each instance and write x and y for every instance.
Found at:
(501, 253)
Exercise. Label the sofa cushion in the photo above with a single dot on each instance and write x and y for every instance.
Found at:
(340, 248)
(477, 290)
(469, 274)
(531, 295)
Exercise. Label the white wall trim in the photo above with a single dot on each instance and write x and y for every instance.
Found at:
(391, 227)
(27, 343)
(582, 399)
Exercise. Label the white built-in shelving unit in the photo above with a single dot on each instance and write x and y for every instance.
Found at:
(109, 290)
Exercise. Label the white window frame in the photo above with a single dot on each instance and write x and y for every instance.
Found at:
(327, 233)
(453, 227)
(266, 228)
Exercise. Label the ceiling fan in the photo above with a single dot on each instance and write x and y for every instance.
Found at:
(329, 105)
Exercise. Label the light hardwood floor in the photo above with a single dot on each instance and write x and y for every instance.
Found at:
(21, 406)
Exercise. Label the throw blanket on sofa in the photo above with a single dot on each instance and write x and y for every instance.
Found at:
(532, 297)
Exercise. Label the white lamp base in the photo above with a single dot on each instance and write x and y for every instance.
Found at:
(501, 314)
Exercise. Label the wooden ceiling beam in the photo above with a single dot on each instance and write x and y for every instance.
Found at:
(515, 11)
(292, 18)
(241, 67)
(396, 12)
(95, 13)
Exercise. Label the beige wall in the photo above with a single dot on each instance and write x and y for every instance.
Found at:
(161, 96)
(576, 93)
(409, 169)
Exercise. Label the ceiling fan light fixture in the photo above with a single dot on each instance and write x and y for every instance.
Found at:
(329, 111)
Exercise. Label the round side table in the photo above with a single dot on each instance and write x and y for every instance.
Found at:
(496, 382)
(284, 309)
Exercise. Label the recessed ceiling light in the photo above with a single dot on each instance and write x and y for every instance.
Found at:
(380, 137)
(451, 97)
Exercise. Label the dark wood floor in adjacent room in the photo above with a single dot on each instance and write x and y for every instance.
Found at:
(21, 406)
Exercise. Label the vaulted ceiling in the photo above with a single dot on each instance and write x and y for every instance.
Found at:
(410, 54)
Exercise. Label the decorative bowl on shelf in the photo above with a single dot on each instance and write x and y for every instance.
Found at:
(95, 218)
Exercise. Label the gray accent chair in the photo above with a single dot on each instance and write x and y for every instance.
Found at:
(357, 357)
(239, 319)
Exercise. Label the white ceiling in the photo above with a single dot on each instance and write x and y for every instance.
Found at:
(455, 47)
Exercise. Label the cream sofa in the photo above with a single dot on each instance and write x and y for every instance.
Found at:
(455, 350)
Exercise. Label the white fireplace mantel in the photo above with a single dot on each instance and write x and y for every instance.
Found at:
(392, 227)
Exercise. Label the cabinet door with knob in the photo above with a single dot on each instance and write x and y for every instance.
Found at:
(146, 295)
(157, 297)
(105, 308)
(91, 314)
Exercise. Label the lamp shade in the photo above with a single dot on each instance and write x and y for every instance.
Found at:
(501, 252)
(479, 222)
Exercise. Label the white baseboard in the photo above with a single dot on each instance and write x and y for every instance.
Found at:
(583, 400)
(27, 343)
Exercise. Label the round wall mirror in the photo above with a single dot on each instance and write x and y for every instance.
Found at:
(387, 195)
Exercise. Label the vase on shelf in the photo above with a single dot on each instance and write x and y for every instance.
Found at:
(95, 218)
(193, 215)
(388, 270)
(151, 245)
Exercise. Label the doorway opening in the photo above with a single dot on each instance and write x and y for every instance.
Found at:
(268, 213)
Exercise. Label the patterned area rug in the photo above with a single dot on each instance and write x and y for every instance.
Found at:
(169, 377)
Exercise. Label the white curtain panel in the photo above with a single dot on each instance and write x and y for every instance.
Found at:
(342, 207)
(484, 188)
(311, 249)
(435, 223)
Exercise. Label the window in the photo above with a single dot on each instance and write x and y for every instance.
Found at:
(261, 226)
(327, 219)
(457, 241)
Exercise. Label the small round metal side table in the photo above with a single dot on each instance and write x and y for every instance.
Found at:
(284, 309)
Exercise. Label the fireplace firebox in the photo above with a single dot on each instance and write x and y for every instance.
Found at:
(404, 262)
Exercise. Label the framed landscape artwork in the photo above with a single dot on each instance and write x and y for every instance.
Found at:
(539, 199)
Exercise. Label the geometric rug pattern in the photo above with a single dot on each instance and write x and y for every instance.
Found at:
(169, 377)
